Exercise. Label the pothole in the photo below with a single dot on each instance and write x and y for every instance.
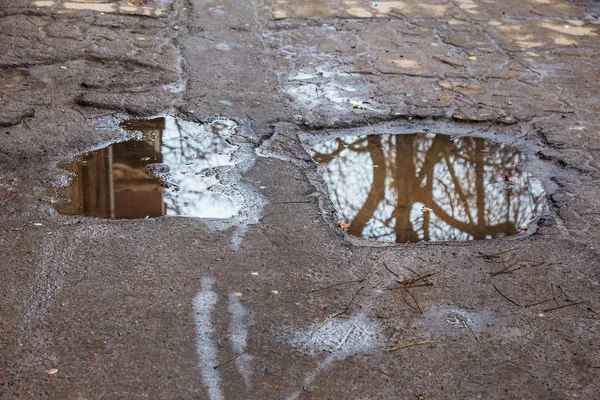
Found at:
(173, 167)
(412, 187)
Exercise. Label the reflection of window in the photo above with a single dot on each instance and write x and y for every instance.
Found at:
(384, 185)
(116, 182)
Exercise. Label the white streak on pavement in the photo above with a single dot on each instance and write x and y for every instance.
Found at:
(47, 283)
(339, 339)
(204, 304)
(239, 338)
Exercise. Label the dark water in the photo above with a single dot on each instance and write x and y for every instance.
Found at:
(170, 170)
(407, 188)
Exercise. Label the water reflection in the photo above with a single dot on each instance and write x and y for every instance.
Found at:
(170, 170)
(407, 188)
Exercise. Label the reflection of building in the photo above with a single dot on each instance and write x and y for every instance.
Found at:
(115, 183)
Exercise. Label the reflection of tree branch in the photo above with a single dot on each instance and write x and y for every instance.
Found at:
(359, 145)
(377, 192)
(326, 158)
(477, 231)
(480, 187)
(458, 188)
(432, 157)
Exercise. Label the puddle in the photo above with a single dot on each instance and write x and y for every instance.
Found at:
(171, 168)
(413, 187)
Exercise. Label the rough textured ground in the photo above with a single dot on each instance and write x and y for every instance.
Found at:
(147, 308)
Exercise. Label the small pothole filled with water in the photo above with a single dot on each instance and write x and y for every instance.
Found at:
(412, 187)
(171, 169)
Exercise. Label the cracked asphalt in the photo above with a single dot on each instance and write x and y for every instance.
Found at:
(278, 302)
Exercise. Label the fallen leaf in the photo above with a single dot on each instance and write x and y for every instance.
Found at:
(342, 225)
(426, 209)
(524, 227)
(472, 58)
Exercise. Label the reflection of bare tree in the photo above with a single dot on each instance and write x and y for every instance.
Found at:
(381, 182)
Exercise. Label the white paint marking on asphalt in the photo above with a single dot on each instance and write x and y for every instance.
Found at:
(48, 281)
(238, 236)
(239, 337)
(341, 339)
(204, 304)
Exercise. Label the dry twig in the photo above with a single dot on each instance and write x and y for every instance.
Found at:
(412, 344)
(563, 306)
(338, 284)
(327, 320)
(448, 62)
(230, 360)
(503, 295)
(464, 322)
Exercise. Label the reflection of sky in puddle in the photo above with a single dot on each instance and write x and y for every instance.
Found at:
(406, 188)
(171, 170)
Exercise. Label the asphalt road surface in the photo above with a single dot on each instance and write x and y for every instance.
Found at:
(288, 295)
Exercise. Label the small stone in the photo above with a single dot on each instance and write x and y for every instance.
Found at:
(51, 371)
(268, 371)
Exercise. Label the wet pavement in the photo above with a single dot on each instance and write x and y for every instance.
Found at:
(286, 294)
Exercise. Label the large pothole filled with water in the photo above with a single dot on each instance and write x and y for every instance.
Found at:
(413, 187)
(172, 167)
